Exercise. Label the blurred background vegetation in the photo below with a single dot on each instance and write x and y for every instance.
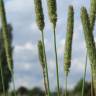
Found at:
(36, 91)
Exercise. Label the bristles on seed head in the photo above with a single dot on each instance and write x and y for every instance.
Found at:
(68, 43)
(41, 53)
(52, 8)
(39, 14)
(92, 14)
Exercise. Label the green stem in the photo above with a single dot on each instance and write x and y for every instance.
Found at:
(2, 79)
(92, 87)
(13, 83)
(83, 87)
(66, 85)
(46, 64)
(45, 83)
(56, 58)
(90, 44)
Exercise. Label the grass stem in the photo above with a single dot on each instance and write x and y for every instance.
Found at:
(83, 86)
(46, 64)
(45, 83)
(13, 82)
(66, 85)
(56, 58)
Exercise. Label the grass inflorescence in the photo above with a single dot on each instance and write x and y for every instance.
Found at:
(41, 24)
(68, 44)
(90, 43)
(42, 62)
(6, 39)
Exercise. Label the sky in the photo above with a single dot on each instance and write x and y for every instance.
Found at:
(27, 69)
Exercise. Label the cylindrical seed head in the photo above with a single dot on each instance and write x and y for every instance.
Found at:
(68, 42)
(41, 53)
(90, 43)
(92, 14)
(39, 14)
(89, 38)
(52, 8)
(5, 36)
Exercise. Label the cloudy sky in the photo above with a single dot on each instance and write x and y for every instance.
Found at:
(28, 72)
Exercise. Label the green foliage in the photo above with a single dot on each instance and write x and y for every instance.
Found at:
(36, 92)
(39, 14)
(68, 42)
(76, 91)
(6, 72)
(78, 88)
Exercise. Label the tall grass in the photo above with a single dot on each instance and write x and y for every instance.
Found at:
(92, 18)
(52, 10)
(68, 44)
(83, 85)
(41, 58)
(90, 43)
(6, 40)
(5, 37)
(88, 22)
(92, 14)
(92, 24)
(41, 24)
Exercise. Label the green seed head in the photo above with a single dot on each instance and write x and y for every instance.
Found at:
(5, 37)
(93, 14)
(89, 37)
(52, 8)
(41, 53)
(85, 19)
(39, 14)
(68, 43)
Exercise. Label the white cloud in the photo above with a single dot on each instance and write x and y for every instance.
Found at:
(27, 46)
(34, 27)
(61, 47)
(19, 5)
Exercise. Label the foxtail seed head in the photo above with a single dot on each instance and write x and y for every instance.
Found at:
(39, 14)
(52, 8)
(89, 37)
(41, 53)
(92, 14)
(85, 20)
(5, 37)
(68, 43)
